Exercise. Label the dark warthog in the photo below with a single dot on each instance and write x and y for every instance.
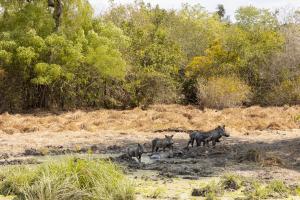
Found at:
(205, 137)
(167, 142)
(197, 136)
(215, 135)
(136, 152)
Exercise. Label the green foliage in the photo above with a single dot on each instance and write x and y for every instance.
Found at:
(140, 54)
(69, 179)
(151, 46)
(55, 68)
(222, 92)
(250, 17)
(46, 74)
(149, 87)
(107, 62)
(25, 55)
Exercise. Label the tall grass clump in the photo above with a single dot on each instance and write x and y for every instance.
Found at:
(257, 191)
(222, 92)
(231, 182)
(70, 179)
(210, 191)
(276, 189)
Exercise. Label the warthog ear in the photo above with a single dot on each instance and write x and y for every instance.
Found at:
(166, 136)
(171, 136)
(224, 126)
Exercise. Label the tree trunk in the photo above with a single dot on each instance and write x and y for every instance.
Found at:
(58, 7)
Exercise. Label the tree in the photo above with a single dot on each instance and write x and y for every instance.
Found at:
(57, 54)
(221, 11)
(252, 17)
(51, 67)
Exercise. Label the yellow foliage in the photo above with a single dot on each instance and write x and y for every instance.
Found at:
(222, 92)
(198, 66)
(217, 60)
(216, 52)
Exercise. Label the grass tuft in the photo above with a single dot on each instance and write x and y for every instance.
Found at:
(231, 182)
(212, 189)
(157, 193)
(257, 191)
(275, 189)
(297, 191)
(278, 189)
(211, 196)
(71, 179)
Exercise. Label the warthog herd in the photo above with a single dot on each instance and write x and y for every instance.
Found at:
(201, 137)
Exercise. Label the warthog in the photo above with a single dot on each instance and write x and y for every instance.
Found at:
(197, 136)
(207, 136)
(136, 152)
(167, 142)
(216, 134)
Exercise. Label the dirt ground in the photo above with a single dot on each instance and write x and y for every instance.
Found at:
(264, 143)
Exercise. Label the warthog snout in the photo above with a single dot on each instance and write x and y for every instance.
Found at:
(226, 134)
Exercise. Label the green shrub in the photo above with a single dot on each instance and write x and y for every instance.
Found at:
(222, 92)
(150, 87)
(71, 179)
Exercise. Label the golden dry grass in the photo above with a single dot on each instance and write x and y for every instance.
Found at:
(156, 117)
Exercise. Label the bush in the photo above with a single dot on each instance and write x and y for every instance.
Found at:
(70, 179)
(151, 87)
(288, 92)
(222, 92)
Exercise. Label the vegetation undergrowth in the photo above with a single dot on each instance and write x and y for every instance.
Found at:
(70, 179)
(246, 188)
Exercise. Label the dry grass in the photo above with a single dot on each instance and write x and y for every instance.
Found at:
(156, 117)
